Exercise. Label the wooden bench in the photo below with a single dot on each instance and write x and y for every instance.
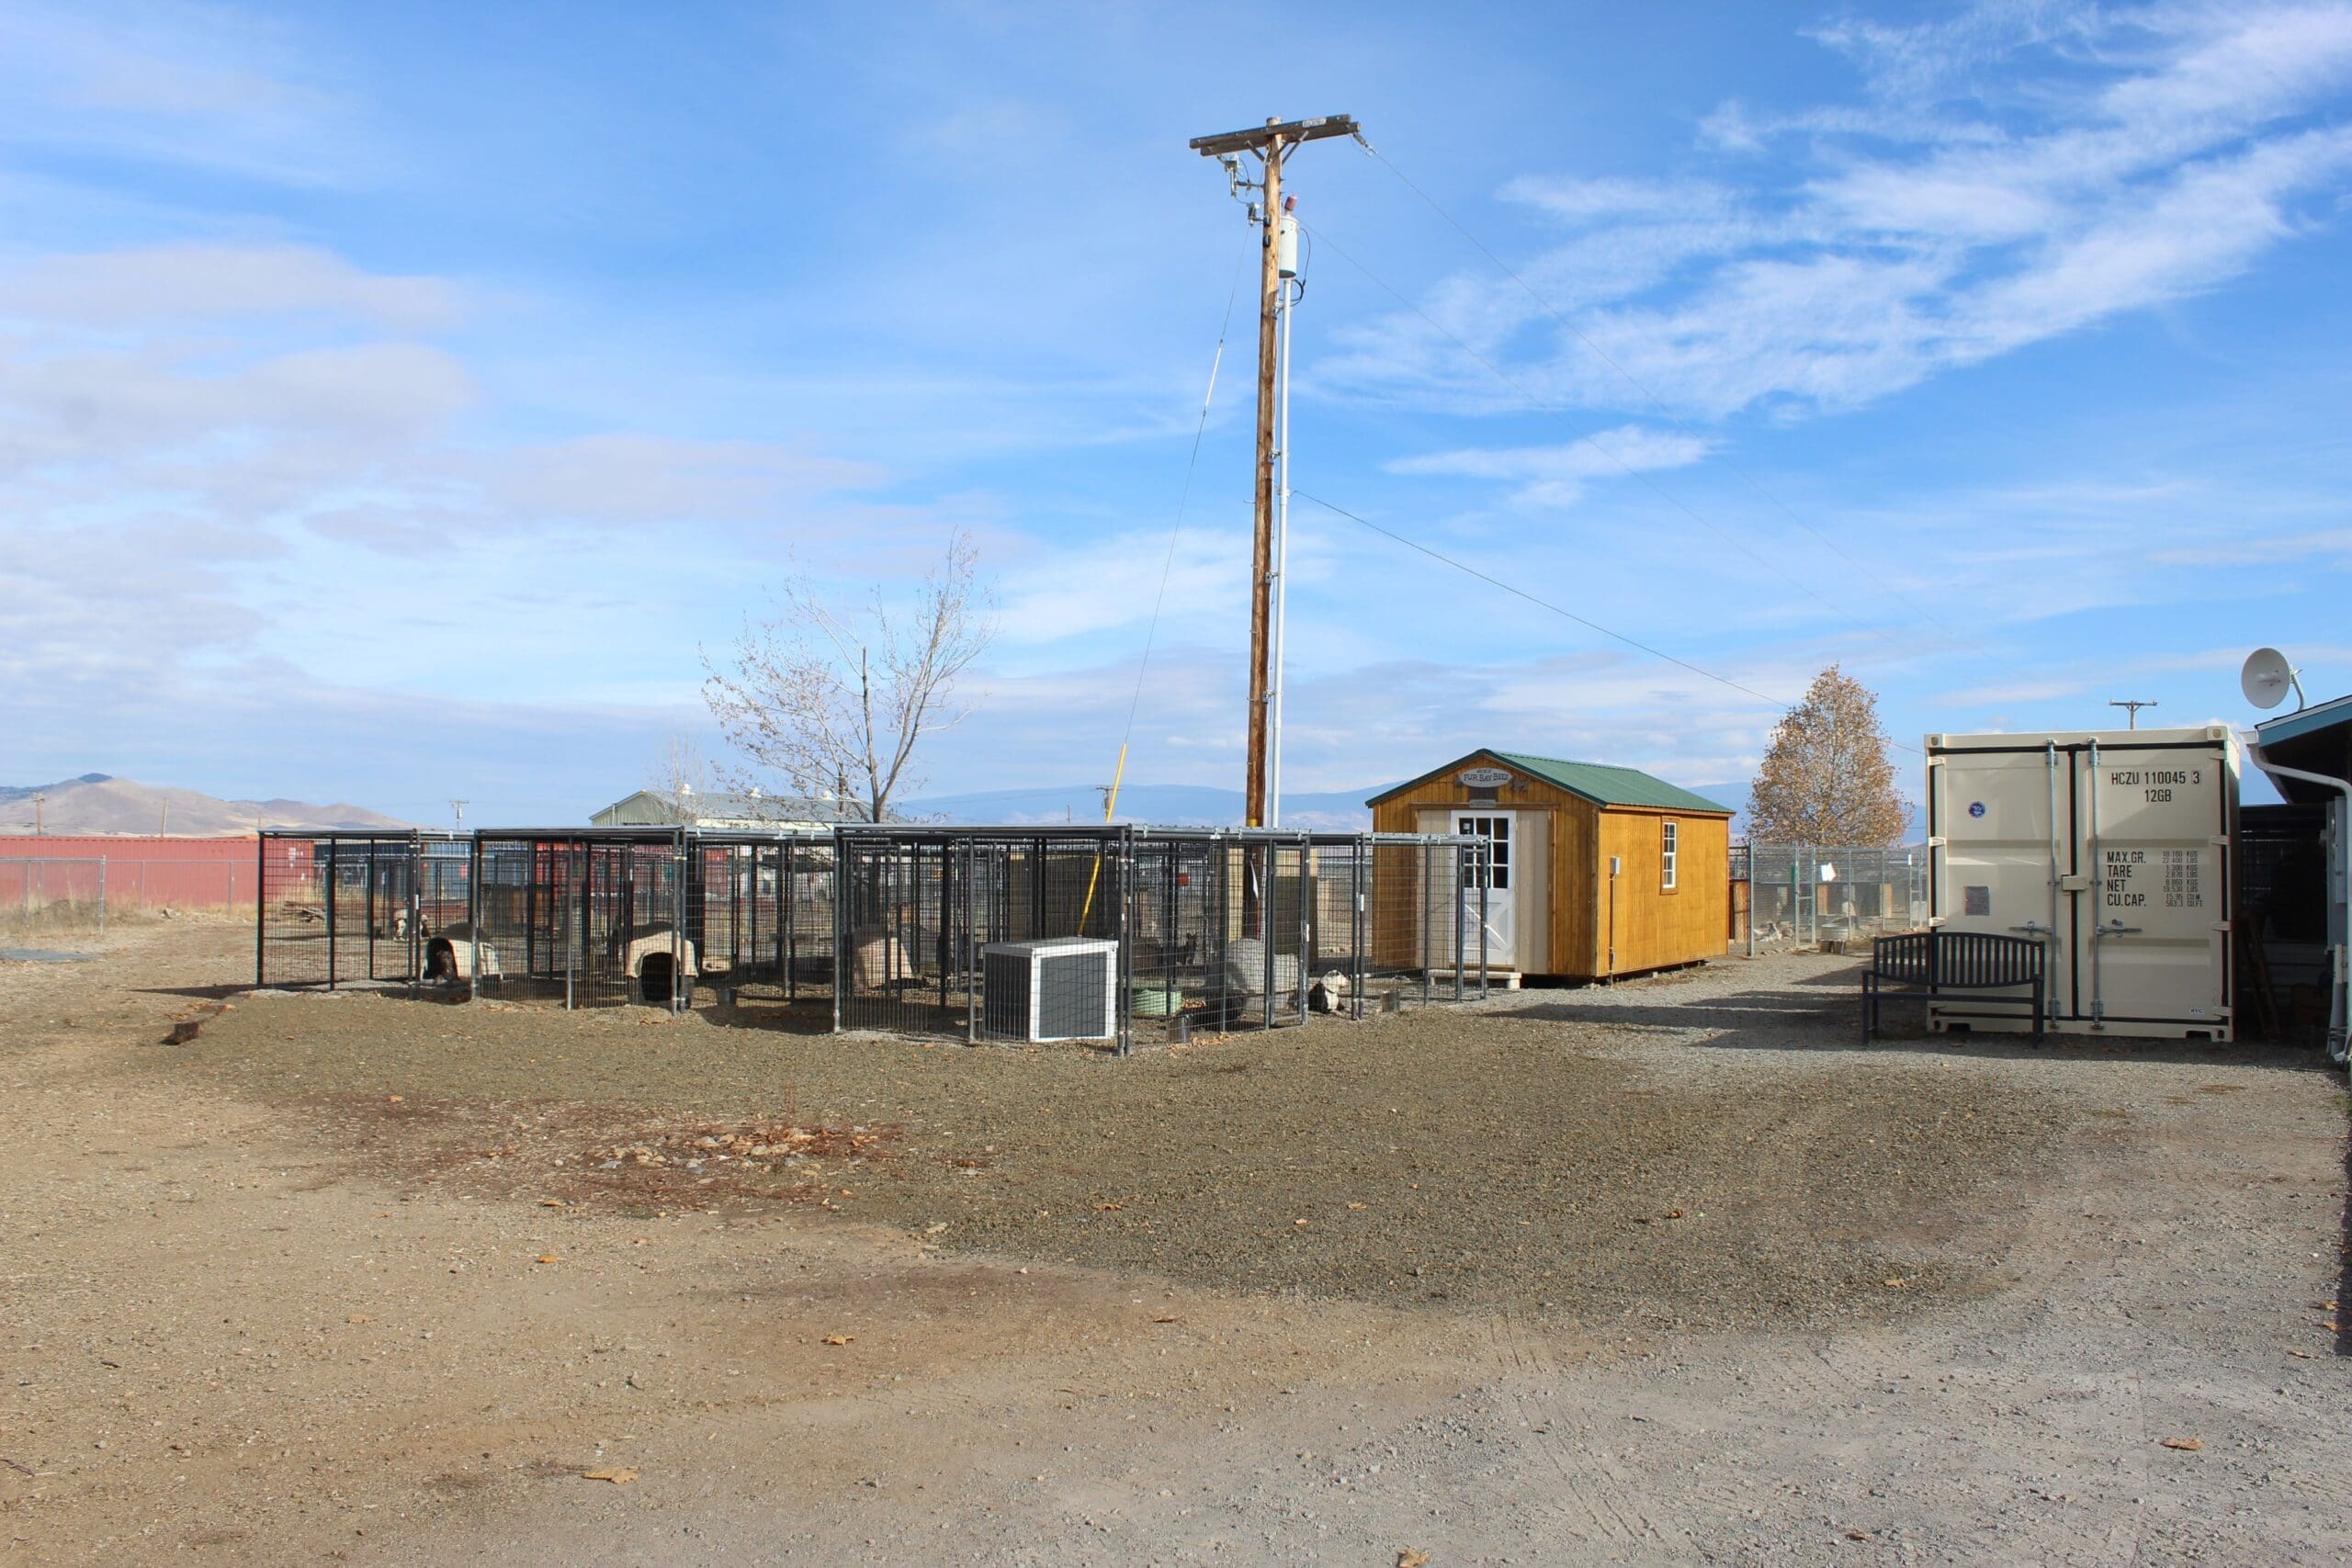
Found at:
(1939, 963)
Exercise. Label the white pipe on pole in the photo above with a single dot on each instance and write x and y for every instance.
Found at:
(1282, 570)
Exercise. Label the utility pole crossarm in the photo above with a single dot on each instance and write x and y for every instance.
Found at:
(1288, 133)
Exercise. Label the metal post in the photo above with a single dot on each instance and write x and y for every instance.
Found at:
(1307, 930)
(971, 956)
(1459, 913)
(416, 863)
(1359, 885)
(680, 991)
(473, 920)
(1751, 880)
(367, 908)
(329, 884)
(841, 943)
(575, 855)
(261, 927)
(1265, 864)
(1126, 946)
(1486, 893)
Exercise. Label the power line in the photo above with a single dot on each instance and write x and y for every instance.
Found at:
(1656, 403)
(1183, 499)
(1541, 603)
(1587, 439)
(1586, 621)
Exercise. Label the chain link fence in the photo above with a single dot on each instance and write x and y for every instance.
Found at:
(51, 894)
(46, 894)
(1804, 894)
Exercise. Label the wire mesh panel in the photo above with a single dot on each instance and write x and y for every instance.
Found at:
(1220, 929)
(1807, 893)
(352, 909)
(917, 911)
(588, 919)
(760, 913)
(1428, 901)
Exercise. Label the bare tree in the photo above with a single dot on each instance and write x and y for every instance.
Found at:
(1825, 778)
(678, 775)
(837, 700)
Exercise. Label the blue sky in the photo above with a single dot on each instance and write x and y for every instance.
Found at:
(394, 399)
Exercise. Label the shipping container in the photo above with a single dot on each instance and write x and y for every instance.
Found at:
(2114, 848)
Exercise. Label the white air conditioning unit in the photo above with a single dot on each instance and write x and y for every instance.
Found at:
(1065, 988)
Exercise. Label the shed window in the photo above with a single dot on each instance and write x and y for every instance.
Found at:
(1668, 834)
(1497, 831)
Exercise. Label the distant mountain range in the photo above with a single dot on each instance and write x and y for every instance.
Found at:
(99, 803)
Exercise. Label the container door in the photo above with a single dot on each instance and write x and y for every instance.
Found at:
(2004, 818)
(2154, 946)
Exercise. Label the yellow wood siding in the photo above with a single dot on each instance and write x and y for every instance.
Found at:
(1654, 928)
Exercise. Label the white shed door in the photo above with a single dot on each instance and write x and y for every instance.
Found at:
(1500, 897)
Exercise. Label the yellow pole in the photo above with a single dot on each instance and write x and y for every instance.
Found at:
(1110, 804)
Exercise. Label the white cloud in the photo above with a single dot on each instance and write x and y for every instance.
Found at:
(1556, 476)
(2124, 160)
(630, 477)
(192, 284)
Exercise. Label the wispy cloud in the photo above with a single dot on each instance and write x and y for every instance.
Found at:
(1557, 476)
(2129, 158)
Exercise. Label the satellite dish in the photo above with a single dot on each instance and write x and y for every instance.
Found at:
(2267, 678)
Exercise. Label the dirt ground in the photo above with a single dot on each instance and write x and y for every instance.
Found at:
(1671, 1272)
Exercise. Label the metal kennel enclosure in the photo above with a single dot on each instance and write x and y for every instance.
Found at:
(343, 909)
(1206, 929)
(607, 916)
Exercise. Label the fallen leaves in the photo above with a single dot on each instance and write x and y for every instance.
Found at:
(840, 1338)
(1167, 1320)
(550, 1202)
(618, 1476)
(2186, 1445)
(1895, 1284)
(547, 1257)
(358, 1317)
(1408, 1558)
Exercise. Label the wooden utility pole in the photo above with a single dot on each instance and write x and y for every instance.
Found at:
(1270, 143)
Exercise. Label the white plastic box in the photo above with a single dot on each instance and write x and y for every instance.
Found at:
(1062, 988)
(2114, 849)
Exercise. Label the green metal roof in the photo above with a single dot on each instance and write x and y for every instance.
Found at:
(1596, 782)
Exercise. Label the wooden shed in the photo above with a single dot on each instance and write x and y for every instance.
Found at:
(1597, 870)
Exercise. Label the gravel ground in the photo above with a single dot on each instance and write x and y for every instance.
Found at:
(257, 1310)
(1483, 1157)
